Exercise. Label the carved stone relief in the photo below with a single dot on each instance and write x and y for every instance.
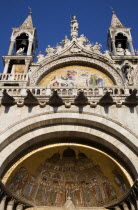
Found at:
(128, 72)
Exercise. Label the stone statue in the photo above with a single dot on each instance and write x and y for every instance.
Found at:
(20, 51)
(127, 52)
(89, 46)
(97, 47)
(58, 48)
(65, 42)
(128, 73)
(69, 204)
(74, 23)
(74, 27)
(107, 54)
(50, 50)
(82, 40)
(120, 50)
(40, 57)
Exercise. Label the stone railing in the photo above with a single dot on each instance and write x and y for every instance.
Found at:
(92, 96)
(66, 91)
(129, 201)
(88, 91)
(13, 77)
(10, 201)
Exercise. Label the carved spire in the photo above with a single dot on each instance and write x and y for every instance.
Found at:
(28, 23)
(74, 27)
(115, 22)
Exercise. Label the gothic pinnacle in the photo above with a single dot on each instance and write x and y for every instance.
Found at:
(28, 23)
(115, 22)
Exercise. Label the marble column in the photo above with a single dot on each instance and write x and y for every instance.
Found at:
(10, 205)
(125, 206)
(19, 207)
(29, 51)
(2, 203)
(27, 62)
(131, 47)
(137, 204)
(11, 48)
(117, 208)
(132, 206)
(113, 47)
(6, 67)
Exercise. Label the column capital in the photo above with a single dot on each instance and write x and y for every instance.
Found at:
(125, 206)
(27, 61)
(117, 208)
(12, 39)
(7, 61)
(19, 207)
(30, 39)
(4, 198)
(11, 203)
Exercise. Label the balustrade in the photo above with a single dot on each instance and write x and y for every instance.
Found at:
(13, 77)
(127, 201)
(116, 95)
(9, 200)
(2, 203)
(89, 92)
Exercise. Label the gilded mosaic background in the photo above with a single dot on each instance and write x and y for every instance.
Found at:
(49, 181)
(18, 69)
(71, 76)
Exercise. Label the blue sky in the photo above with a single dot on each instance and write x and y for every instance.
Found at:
(52, 19)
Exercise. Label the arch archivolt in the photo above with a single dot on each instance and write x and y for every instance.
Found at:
(110, 70)
(52, 126)
(21, 32)
(123, 33)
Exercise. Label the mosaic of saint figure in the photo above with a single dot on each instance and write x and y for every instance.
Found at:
(57, 179)
(19, 179)
(119, 180)
(73, 78)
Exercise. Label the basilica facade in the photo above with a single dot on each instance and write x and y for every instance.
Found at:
(69, 137)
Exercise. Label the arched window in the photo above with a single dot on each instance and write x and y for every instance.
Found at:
(22, 43)
(121, 39)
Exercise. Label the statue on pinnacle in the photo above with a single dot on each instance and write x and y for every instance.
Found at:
(74, 27)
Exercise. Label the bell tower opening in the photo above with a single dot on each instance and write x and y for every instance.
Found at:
(21, 44)
(121, 39)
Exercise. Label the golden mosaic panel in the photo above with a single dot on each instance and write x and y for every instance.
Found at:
(50, 175)
(18, 69)
(78, 76)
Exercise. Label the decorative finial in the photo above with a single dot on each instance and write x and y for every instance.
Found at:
(74, 27)
(73, 17)
(112, 9)
(30, 10)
